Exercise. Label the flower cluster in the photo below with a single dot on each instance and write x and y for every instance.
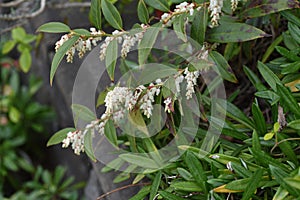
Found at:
(82, 45)
(191, 79)
(75, 138)
(148, 98)
(184, 7)
(128, 41)
(215, 7)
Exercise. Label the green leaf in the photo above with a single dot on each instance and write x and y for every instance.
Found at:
(95, 14)
(254, 79)
(88, 145)
(196, 170)
(111, 14)
(161, 5)
(155, 185)
(272, 96)
(187, 186)
(169, 196)
(293, 181)
(265, 7)
(280, 176)
(294, 31)
(240, 170)
(146, 44)
(111, 58)
(139, 160)
(101, 98)
(271, 48)
(59, 136)
(286, 148)
(259, 119)
(152, 72)
(143, 13)
(54, 27)
(25, 60)
(60, 54)
(268, 75)
(291, 68)
(121, 177)
(235, 113)
(179, 26)
(222, 67)
(280, 194)
(142, 193)
(269, 136)
(250, 189)
(291, 17)
(82, 32)
(115, 164)
(110, 133)
(234, 32)
(185, 174)
(18, 34)
(287, 99)
(14, 114)
(265, 159)
(287, 54)
(255, 141)
(83, 112)
(199, 25)
(8, 46)
(294, 124)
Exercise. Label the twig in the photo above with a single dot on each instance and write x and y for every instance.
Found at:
(69, 5)
(11, 27)
(121, 188)
(31, 15)
(12, 3)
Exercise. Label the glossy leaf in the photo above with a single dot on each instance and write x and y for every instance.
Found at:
(222, 67)
(161, 5)
(268, 75)
(111, 58)
(95, 14)
(110, 133)
(143, 13)
(265, 7)
(179, 26)
(199, 25)
(234, 32)
(111, 14)
(54, 27)
(60, 54)
(146, 44)
(59, 136)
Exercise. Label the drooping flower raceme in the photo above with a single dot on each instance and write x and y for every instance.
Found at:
(215, 7)
(191, 78)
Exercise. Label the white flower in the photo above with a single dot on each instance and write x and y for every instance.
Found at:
(191, 78)
(104, 46)
(215, 7)
(129, 42)
(215, 156)
(168, 104)
(62, 40)
(148, 99)
(229, 166)
(76, 139)
(178, 80)
(234, 4)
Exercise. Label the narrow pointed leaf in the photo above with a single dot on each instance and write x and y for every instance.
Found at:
(111, 14)
(161, 5)
(60, 54)
(155, 185)
(54, 27)
(59, 136)
(95, 13)
(111, 58)
(143, 13)
(88, 145)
